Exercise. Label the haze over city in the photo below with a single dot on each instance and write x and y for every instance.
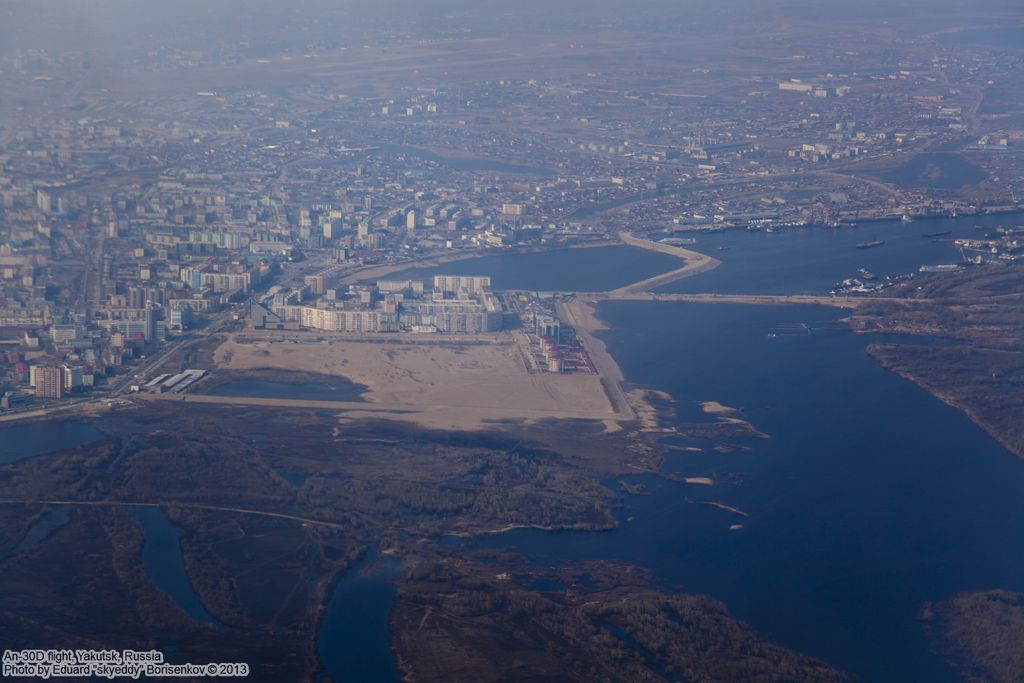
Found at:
(538, 341)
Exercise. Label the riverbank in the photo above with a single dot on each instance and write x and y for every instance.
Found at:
(583, 319)
(983, 410)
(980, 371)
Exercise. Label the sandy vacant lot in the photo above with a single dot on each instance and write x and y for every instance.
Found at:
(450, 384)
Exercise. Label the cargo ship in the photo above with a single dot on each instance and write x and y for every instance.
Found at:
(872, 243)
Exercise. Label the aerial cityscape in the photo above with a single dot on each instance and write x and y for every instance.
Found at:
(466, 341)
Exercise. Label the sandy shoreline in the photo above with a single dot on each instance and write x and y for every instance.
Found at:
(446, 383)
(439, 383)
(716, 408)
(694, 263)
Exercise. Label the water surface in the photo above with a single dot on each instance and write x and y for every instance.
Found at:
(869, 498)
(28, 439)
(50, 522)
(339, 390)
(812, 260)
(161, 557)
(592, 269)
(353, 643)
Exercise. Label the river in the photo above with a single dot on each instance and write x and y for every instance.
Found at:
(789, 261)
(811, 260)
(353, 641)
(870, 497)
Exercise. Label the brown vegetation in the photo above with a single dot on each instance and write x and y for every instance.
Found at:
(982, 311)
(452, 627)
(982, 634)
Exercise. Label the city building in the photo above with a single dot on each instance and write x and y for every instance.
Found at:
(469, 284)
(49, 382)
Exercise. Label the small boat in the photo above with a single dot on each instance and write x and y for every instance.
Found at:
(937, 234)
(872, 243)
(906, 218)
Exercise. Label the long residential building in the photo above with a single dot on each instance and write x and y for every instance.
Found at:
(342, 320)
(469, 284)
(455, 315)
(356, 321)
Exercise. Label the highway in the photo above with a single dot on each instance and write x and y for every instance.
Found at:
(751, 299)
(173, 504)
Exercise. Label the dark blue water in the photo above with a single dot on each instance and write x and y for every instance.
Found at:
(161, 556)
(28, 439)
(592, 269)
(353, 643)
(460, 163)
(293, 476)
(41, 530)
(811, 260)
(869, 498)
(339, 390)
(789, 261)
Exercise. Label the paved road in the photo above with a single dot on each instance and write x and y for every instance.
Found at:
(756, 299)
(172, 504)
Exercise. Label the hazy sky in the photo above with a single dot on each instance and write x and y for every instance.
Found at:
(113, 26)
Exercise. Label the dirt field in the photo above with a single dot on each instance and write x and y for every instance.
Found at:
(445, 384)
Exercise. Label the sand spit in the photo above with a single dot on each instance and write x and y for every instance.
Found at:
(716, 408)
(727, 508)
(694, 263)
